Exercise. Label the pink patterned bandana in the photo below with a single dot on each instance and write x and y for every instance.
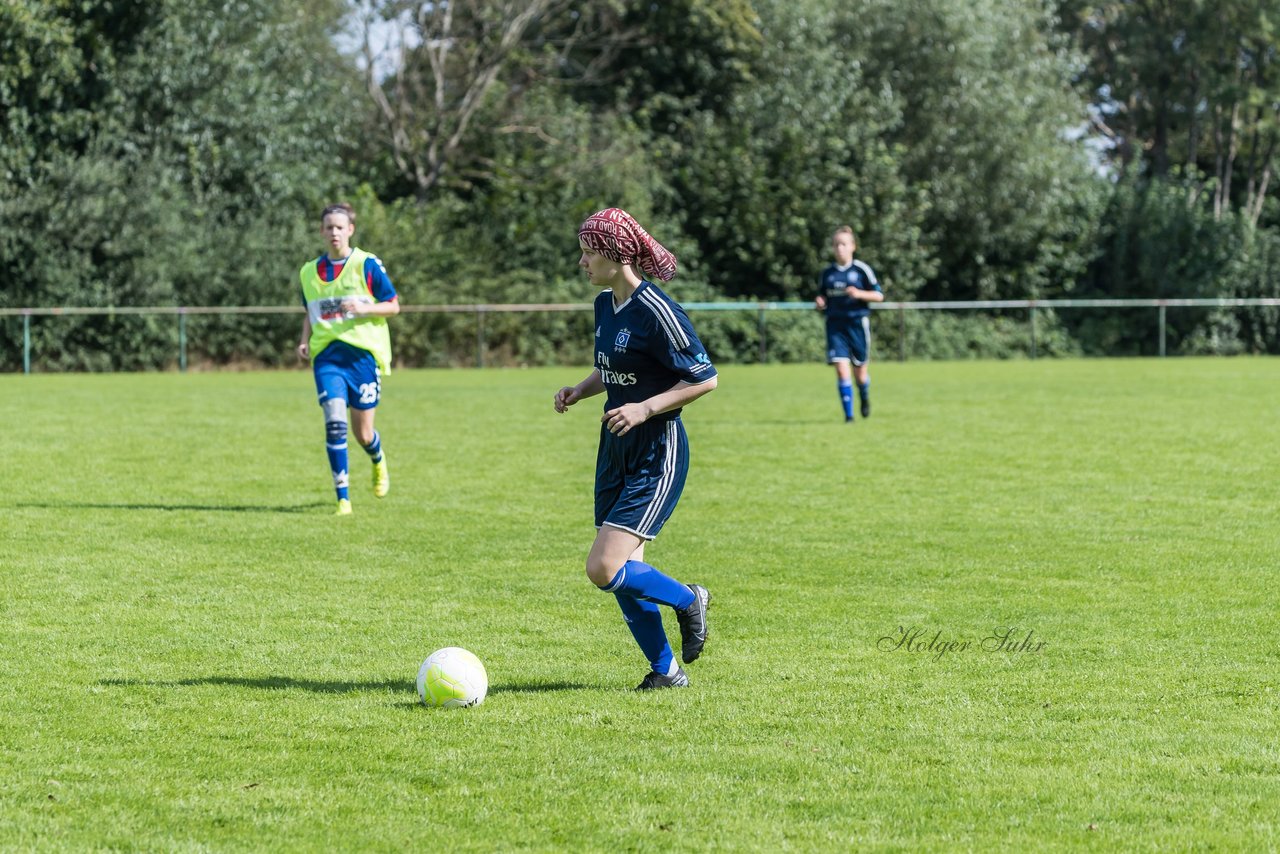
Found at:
(616, 235)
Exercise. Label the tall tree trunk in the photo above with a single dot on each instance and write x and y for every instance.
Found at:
(1193, 129)
(1256, 213)
(1219, 160)
(1233, 148)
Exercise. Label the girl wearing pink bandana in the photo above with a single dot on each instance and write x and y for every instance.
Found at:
(649, 364)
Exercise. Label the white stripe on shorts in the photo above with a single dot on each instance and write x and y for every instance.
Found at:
(866, 340)
(664, 482)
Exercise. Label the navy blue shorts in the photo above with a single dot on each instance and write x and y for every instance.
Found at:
(848, 339)
(639, 476)
(356, 380)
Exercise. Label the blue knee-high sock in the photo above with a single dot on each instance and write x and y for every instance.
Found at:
(645, 621)
(864, 389)
(335, 444)
(845, 387)
(641, 581)
(374, 448)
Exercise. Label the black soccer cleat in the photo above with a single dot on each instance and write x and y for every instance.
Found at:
(693, 624)
(656, 680)
(866, 407)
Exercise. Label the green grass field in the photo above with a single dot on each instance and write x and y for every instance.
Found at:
(197, 656)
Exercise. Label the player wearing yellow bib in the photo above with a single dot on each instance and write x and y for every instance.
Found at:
(348, 297)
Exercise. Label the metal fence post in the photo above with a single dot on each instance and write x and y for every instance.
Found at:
(902, 333)
(26, 342)
(1162, 328)
(1031, 311)
(479, 336)
(182, 340)
(764, 347)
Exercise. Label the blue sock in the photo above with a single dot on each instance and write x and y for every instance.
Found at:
(845, 388)
(335, 444)
(864, 389)
(645, 621)
(642, 581)
(374, 448)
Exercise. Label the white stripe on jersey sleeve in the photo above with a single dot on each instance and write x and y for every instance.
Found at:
(666, 319)
(866, 270)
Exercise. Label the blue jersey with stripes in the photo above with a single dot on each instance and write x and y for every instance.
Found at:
(340, 353)
(834, 280)
(645, 346)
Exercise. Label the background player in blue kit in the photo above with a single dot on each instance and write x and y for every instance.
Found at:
(348, 298)
(649, 363)
(844, 289)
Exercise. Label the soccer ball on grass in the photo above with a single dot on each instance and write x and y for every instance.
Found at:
(452, 678)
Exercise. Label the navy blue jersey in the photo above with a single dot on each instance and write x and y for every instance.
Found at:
(832, 284)
(645, 346)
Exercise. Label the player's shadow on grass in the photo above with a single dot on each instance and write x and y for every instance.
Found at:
(203, 508)
(278, 683)
(270, 683)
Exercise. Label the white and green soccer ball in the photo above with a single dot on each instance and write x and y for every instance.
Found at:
(452, 678)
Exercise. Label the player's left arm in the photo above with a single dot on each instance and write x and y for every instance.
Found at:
(685, 356)
(390, 308)
(680, 394)
(386, 302)
(868, 277)
(629, 415)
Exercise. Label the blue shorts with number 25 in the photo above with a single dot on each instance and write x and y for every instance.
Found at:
(349, 374)
(639, 476)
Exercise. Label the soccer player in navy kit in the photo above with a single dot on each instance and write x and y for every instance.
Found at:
(650, 364)
(348, 297)
(844, 289)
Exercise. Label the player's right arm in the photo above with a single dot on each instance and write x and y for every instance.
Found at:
(589, 387)
(820, 301)
(304, 343)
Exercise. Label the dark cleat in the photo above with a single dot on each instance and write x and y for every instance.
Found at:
(693, 624)
(848, 419)
(656, 680)
(866, 408)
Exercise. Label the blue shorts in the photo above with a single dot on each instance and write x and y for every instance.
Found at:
(352, 376)
(848, 339)
(639, 476)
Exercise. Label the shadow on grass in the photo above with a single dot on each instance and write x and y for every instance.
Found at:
(270, 683)
(276, 683)
(204, 508)
(517, 688)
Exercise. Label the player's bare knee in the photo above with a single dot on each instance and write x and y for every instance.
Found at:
(600, 572)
